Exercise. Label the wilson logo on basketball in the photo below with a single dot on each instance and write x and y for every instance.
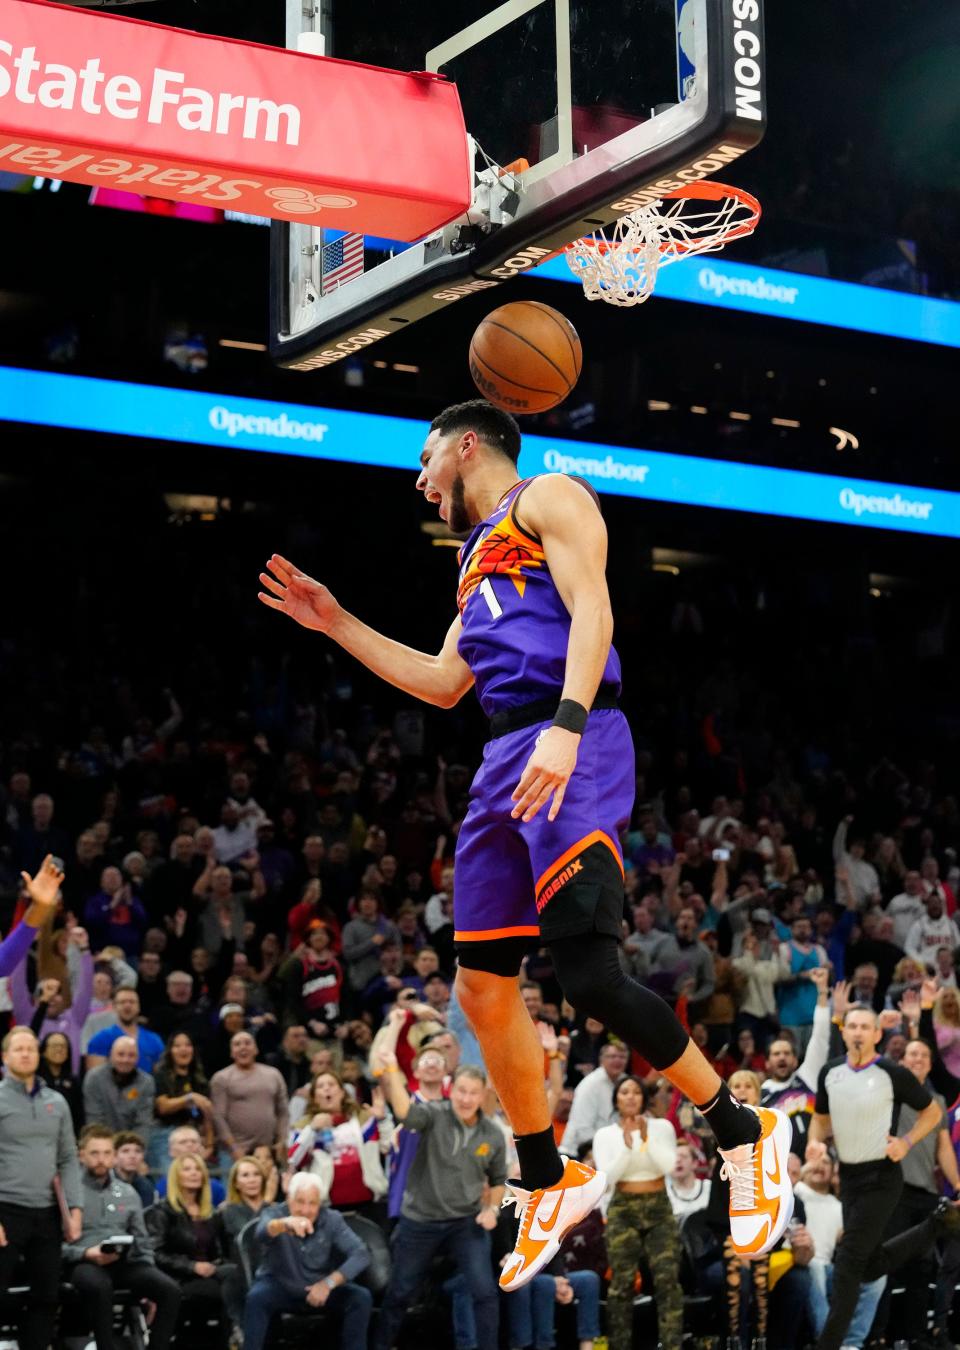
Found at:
(489, 388)
(558, 881)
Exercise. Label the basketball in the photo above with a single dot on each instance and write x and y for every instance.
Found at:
(525, 357)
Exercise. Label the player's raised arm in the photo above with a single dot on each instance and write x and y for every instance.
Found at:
(442, 679)
(574, 539)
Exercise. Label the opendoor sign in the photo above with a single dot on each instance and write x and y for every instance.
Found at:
(111, 101)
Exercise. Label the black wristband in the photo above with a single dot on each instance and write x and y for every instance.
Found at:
(571, 715)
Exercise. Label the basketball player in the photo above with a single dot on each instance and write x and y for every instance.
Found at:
(538, 857)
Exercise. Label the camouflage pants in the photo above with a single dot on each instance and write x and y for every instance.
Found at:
(642, 1228)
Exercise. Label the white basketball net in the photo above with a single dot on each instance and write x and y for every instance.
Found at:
(620, 264)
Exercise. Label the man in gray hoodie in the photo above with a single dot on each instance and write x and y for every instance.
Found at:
(38, 1158)
(119, 1094)
(97, 1267)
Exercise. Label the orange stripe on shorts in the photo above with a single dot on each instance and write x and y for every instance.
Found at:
(486, 934)
(596, 837)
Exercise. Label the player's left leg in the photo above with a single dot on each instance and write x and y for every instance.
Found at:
(495, 925)
(755, 1142)
(579, 890)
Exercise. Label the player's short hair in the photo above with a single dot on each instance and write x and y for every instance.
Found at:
(494, 427)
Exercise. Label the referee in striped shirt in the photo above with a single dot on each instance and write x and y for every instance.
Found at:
(858, 1103)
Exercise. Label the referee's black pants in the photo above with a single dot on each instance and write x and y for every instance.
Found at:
(915, 1205)
(869, 1194)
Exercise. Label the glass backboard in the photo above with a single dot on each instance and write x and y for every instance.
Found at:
(577, 112)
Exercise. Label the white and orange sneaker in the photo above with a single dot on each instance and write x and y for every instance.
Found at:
(761, 1193)
(546, 1217)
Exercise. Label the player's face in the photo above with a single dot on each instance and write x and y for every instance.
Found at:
(440, 480)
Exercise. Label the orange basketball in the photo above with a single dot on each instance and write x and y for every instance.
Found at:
(525, 357)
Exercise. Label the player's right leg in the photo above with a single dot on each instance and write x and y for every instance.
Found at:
(553, 1195)
(496, 925)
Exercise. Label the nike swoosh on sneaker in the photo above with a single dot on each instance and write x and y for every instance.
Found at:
(773, 1176)
(546, 1227)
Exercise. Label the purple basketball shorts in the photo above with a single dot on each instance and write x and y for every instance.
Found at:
(548, 879)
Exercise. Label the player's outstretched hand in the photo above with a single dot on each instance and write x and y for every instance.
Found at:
(307, 601)
(547, 773)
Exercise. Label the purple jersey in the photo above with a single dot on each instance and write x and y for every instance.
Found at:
(515, 625)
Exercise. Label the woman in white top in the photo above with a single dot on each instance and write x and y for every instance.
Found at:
(637, 1154)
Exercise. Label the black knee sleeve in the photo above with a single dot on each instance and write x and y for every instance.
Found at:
(592, 979)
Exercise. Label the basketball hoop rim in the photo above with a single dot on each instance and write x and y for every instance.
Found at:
(707, 190)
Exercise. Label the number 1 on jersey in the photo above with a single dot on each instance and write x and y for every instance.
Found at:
(493, 604)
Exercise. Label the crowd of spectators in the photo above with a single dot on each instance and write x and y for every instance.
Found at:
(253, 923)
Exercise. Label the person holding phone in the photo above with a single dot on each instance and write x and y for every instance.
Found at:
(113, 1250)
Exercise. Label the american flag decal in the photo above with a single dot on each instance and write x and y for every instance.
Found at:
(341, 261)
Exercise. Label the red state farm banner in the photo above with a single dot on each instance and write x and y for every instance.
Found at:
(118, 102)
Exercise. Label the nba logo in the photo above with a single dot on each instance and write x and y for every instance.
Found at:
(686, 50)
